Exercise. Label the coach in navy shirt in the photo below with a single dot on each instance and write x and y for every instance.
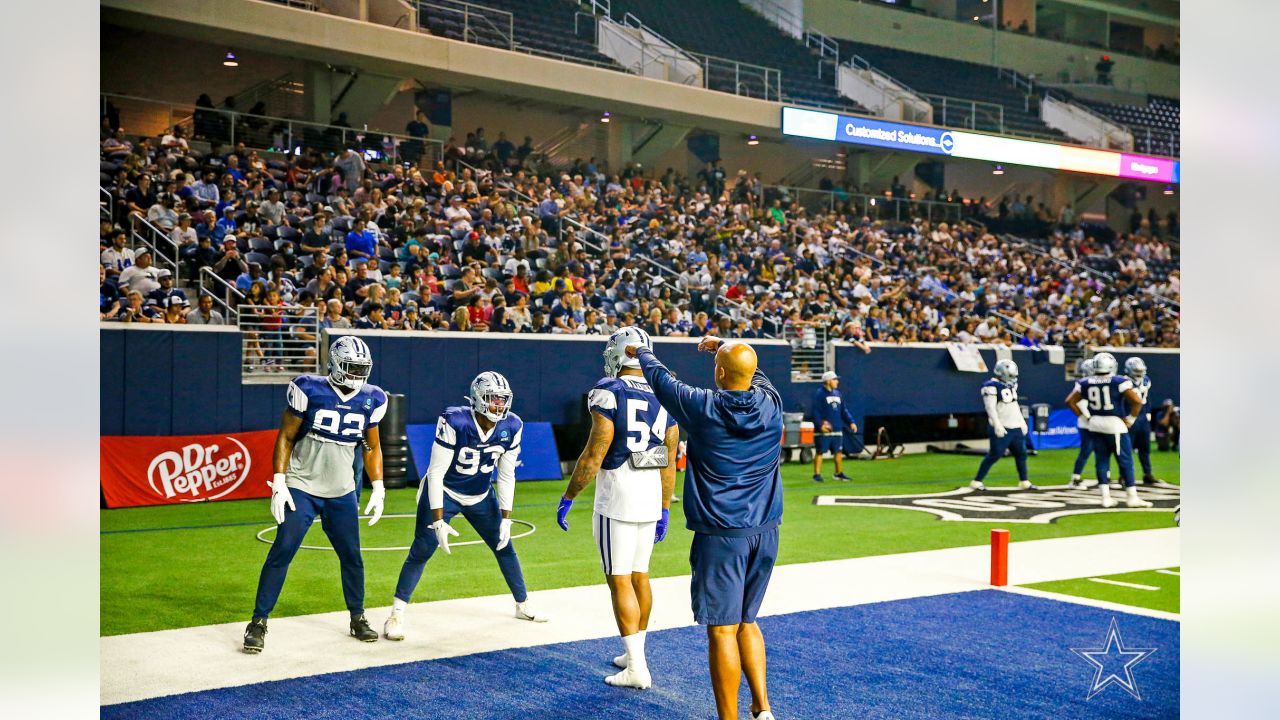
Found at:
(733, 503)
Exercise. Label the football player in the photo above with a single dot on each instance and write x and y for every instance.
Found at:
(1136, 370)
(631, 454)
(1104, 393)
(1007, 429)
(1082, 425)
(327, 418)
(471, 441)
(831, 417)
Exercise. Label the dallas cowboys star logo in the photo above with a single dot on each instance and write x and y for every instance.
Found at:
(1120, 659)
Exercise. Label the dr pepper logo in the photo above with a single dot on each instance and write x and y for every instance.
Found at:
(199, 472)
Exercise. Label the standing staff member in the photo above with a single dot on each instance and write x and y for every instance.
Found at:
(831, 418)
(733, 504)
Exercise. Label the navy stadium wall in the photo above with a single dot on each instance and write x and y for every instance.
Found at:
(187, 382)
(921, 380)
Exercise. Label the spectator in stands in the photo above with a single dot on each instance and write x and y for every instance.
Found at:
(183, 235)
(160, 296)
(350, 165)
(333, 316)
(204, 314)
(117, 257)
(230, 265)
(108, 296)
(175, 310)
(360, 242)
(136, 311)
(140, 197)
(142, 276)
(461, 320)
(251, 275)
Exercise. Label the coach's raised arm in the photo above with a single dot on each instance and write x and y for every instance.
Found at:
(732, 502)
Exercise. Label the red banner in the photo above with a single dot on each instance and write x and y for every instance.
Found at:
(165, 470)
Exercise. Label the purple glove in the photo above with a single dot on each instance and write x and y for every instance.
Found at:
(660, 533)
(562, 513)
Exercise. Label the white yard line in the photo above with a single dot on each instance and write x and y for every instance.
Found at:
(167, 662)
(1091, 602)
(1175, 573)
(1121, 583)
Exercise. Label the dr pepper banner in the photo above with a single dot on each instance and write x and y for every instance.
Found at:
(164, 470)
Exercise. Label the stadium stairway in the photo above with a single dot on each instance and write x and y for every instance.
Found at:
(1161, 115)
(727, 29)
(954, 78)
(545, 26)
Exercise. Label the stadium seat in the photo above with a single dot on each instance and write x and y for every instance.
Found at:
(262, 259)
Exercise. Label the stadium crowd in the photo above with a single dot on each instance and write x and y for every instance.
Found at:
(481, 239)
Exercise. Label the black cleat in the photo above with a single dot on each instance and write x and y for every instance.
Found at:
(255, 636)
(841, 477)
(361, 631)
(1151, 480)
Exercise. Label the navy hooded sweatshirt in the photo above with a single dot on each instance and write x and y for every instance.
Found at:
(733, 480)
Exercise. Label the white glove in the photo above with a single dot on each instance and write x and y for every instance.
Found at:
(376, 497)
(504, 533)
(443, 530)
(280, 498)
(999, 430)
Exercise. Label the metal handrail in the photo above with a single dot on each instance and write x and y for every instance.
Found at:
(604, 239)
(1080, 267)
(598, 7)
(206, 273)
(154, 245)
(469, 10)
(973, 107)
(861, 63)
(107, 206)
(631, 21)
(276, 347)
(185, 114)
(949, 209)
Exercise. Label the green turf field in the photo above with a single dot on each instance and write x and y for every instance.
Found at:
(1159, 590)
(180, 566)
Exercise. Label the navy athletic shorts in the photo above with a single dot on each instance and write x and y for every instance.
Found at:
(730, 576)
(833, 443)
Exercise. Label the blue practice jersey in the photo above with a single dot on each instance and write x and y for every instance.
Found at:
(1143, 387)
(1105, 394)
(329, 416)
(475, 454)
(1008, 412)
(639, 421)
(322, 460)
(828, 406)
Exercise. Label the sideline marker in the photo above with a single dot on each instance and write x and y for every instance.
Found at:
(999, 558)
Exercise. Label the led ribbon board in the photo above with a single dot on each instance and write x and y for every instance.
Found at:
(976, 146)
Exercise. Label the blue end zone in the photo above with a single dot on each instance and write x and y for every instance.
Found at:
(983, 654)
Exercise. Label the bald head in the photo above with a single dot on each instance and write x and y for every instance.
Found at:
(735, 366)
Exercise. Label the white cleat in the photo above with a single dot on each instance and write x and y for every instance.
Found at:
(1132, 500)
(764, 715)
(977, 485)
(525, 612)
(631, 677)
(393, 629)
(1026, 485)
(1108, 501)
(620, 661)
